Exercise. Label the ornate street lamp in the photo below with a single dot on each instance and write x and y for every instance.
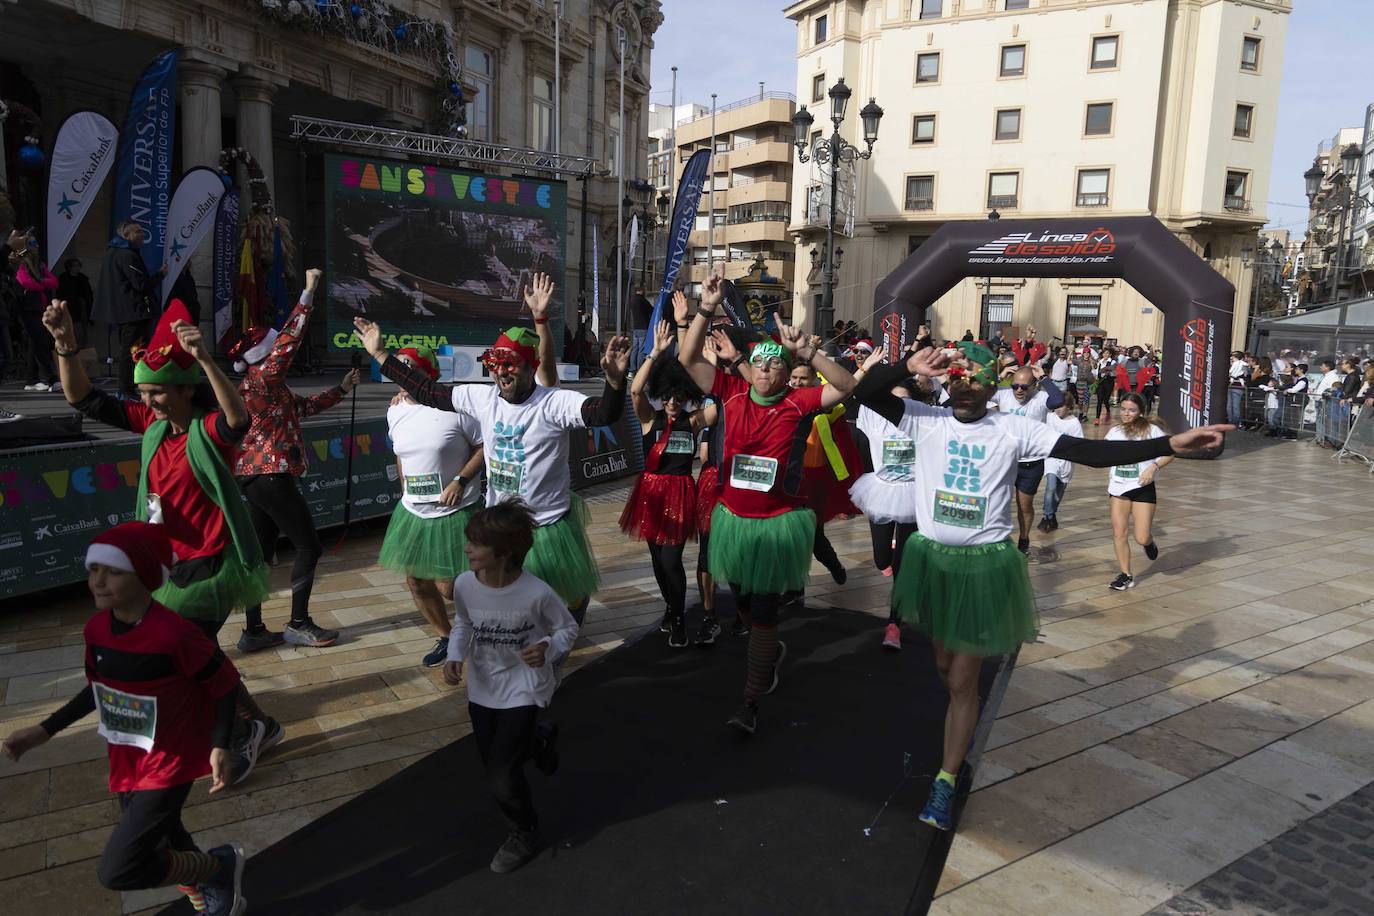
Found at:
(1312, 180)
(833, 151)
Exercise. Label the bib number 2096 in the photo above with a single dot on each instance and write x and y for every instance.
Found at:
(960, 509)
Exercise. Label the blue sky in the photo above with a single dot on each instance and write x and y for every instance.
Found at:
(728, 46)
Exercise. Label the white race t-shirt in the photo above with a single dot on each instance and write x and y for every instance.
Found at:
(1036, 409)
(1064, 426)
(1126, 477)
(892, 451)
(490, 628)
(966, 472)
(526, 445)
(1060, 371)
(432, 445)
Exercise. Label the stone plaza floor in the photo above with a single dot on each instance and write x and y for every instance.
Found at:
(1147, 742)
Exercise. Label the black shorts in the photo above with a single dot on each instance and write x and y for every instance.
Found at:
(1145, 494)
(1028, 474)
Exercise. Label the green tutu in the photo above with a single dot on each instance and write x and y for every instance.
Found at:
(974, 600)
(562, 557)
(427, 548)
(762, 556)
(233, 588)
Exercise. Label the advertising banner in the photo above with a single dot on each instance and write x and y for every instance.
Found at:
(143, 165)
(436, 255)
(604, 453)
(226, 266)
(680, 231)
(190, 218)
(81, 158)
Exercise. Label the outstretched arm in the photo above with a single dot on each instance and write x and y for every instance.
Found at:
(272, 370)
(322, 401)
(419, 386)
(1199, 442)
(538, 293)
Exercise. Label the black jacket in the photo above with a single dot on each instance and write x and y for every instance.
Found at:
(124, 292)
(75, 290)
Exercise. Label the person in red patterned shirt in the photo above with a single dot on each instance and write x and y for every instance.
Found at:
(272, 457)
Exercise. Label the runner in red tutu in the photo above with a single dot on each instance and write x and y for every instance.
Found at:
(662, 509)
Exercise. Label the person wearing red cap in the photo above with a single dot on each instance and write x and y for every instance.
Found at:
(439, 463)
(165, 697)
(525, 434)
(272, 457)
(762, 533)
(191, 435)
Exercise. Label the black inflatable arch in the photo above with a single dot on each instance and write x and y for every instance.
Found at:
(1196, 301)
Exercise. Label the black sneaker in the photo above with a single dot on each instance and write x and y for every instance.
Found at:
(243, 757)
(1054, 523)
(224, 895)
(272, 735)
(438, 655)
(1044, 524)
(309, 633)
(739, 627)
(746, 718)
(677, 631)
(777, 667)
(1152, 550)
(1122, 582)
(9, 416)
(838, 572)
(256, 640)
(545, 751)
(518, 850)
(707, 632)
(665, 625)
(1023, 545)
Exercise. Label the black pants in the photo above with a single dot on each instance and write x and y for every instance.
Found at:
(277, 507)
(670, 574)
(150, 823)
(40, 347)
(823, 550)
(884, 555)
(1104, 397)
(130, 334)
(505, 738)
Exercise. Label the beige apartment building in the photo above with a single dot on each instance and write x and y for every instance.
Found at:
(750, 191)
(1044, 108)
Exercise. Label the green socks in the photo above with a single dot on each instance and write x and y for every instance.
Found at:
(946, 777)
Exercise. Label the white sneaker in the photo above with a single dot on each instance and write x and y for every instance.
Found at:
(36, 386)
(9, 416)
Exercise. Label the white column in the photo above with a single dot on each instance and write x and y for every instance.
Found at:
(254, 88)
(201, 142)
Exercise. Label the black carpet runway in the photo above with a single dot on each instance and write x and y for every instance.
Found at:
(659, 807)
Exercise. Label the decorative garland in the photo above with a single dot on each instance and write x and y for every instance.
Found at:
(383, 26)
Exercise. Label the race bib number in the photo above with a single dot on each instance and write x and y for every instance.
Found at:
(424, 488)
(126, 718)
(505, 476)
(1127, 471)
(752, 472)
(899, 456)
(679, 443)
(960, 509)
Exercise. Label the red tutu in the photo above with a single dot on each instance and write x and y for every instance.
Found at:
(662, 509)
(708, 494)
(826, 496)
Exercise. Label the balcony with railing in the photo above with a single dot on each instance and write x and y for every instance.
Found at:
(920, 203)
(751, 100)
(1092, 200)
(1001, 201)
(1238, 203)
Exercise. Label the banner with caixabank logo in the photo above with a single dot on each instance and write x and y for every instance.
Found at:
(82, 156)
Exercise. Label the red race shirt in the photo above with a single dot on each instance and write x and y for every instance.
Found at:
(761, 459)
(194, 523)
(157, 684)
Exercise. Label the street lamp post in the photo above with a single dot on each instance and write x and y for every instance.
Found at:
(832, 152)
(1345, 198)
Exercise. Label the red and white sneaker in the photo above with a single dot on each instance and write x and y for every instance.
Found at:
(892, 638)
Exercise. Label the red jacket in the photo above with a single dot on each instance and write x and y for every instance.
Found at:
(1037, 351)
(1143, 376)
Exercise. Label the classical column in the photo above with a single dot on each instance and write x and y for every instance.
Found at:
(254, 87)
(201, 141)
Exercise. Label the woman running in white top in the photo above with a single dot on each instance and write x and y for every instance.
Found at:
(1132, 489)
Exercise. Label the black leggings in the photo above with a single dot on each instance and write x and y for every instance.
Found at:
(885, 555)
(40, 346)
(277, 507)
(1104, 397)
(505, 738)
(671, 575)
(150, 823)
(823, 550)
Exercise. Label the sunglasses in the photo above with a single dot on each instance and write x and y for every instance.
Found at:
(766, 362)
(1020, 387)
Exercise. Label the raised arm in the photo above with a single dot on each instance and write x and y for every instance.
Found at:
(272, 370)
(538, 293)
(663, 337)
(606, 409)
(691, 356)
(419, 386)
(839, 381)
(226, 392)
(75, 383)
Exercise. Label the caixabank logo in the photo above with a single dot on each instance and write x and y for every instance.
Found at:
(1195, 397)
(1049, 248)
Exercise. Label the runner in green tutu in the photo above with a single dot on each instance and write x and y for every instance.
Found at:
(761, 531)
(962, 580)
(525, 437)
(439, 464)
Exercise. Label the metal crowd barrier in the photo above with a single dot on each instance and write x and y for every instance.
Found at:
(1333, 421)
(1288, 418)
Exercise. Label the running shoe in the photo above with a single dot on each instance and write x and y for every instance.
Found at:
(9, 416)
(1023, 545)
(37, 386)
(545, 750)
(838, 572)
(257, 640)
(519, 849)
(273, 735)
(1054, 523)
(224, 896)
(892, 637)
(746, 718)
(309, 633)
(1122, 582)
(677, 632)
(936, 811)
(1044, 524)
(777, 667)
(1152, 550)
(244, 756)
(438, 655)
(665, 625)
(707, 633)
(887, 571)
(740, 627)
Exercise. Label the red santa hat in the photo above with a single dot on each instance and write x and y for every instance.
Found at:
(135, 547)
(252, 347)
(864, 344)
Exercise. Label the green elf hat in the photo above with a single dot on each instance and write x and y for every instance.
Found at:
(769, 349)
(163, 361)
(522, 342)
(982, 363)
